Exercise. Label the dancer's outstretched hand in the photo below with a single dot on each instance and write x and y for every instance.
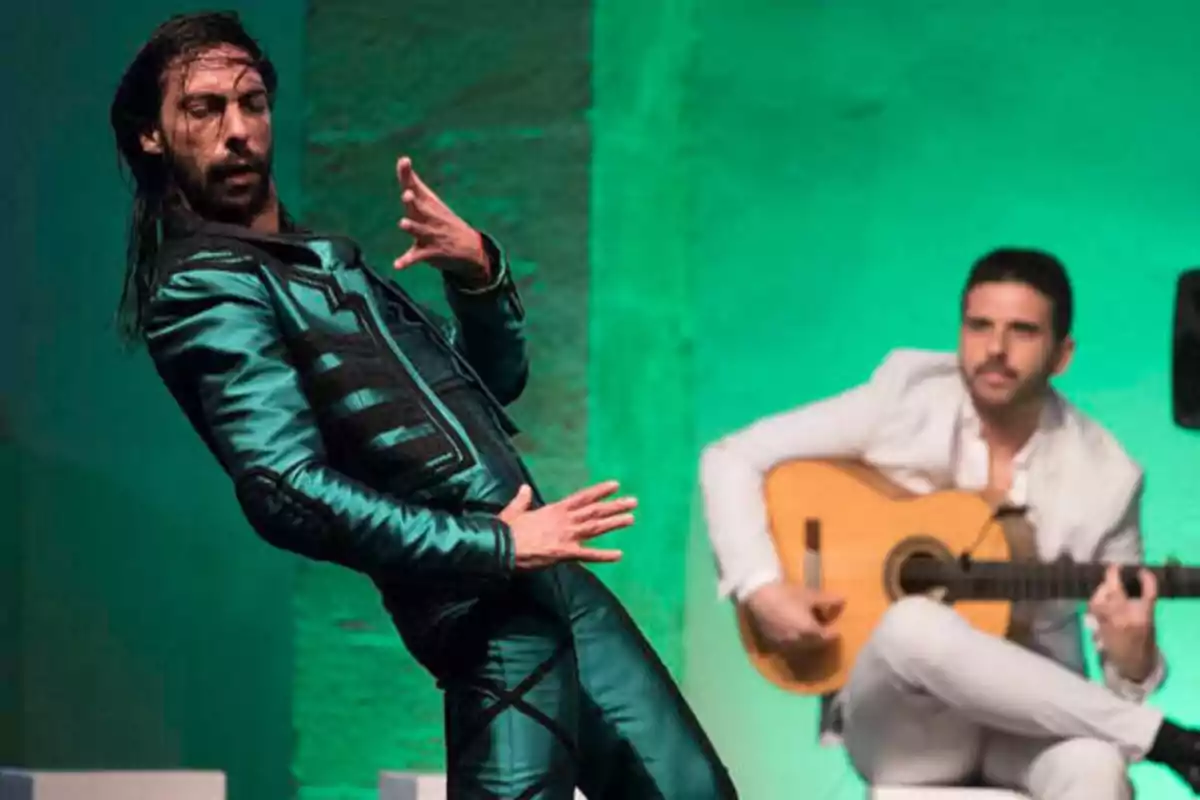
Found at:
(440, 237)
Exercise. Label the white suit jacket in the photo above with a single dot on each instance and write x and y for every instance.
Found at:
(1084, 490)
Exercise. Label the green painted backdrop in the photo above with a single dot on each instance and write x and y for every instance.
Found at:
(717, 210)
(145, 627)
(847, 162)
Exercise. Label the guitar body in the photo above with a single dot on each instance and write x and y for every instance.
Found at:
(863, 528)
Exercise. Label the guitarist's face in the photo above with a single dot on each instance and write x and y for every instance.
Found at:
(1007, 348)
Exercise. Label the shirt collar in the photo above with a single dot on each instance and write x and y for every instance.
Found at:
(1050, 418)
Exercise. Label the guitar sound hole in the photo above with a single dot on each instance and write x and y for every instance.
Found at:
(918, 565)
(920, 573)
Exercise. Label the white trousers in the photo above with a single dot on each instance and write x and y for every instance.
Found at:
(935, 701)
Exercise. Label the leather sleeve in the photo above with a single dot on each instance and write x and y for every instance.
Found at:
(213, 336)
(489, 328)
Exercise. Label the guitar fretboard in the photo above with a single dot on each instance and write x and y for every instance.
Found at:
(999, 580)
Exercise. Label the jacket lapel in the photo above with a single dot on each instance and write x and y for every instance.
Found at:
(944, 426)
(1048, 494)
(915, 445)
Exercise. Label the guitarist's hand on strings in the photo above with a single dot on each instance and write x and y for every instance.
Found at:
(1126, 625)
(794, 618)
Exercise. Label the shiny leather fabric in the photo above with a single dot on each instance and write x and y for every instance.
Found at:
(291, 360)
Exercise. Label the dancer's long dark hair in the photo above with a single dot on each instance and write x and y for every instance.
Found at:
(135, 110)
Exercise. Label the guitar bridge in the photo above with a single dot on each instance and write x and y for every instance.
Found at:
(812, 553)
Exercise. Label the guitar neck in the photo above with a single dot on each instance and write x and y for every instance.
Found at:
(1002, 580)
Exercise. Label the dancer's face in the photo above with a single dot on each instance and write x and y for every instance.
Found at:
(215, 134)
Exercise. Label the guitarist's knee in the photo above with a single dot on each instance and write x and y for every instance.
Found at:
(914, 630)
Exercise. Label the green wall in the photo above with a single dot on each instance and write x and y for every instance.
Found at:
(641, 394)
(14, 222)
(716, 210)
(10, 604)
(848, 163)
(151, 627)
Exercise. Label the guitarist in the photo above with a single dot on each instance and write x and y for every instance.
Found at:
(932, 700)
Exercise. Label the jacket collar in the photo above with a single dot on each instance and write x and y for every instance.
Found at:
(296, 245)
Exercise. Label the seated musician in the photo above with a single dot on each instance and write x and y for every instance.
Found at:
(932, 700)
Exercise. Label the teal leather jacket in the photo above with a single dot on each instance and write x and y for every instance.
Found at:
(277, 349)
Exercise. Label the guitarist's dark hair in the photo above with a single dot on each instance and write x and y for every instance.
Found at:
(1035, 268)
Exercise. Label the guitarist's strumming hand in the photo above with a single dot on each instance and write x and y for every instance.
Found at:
(794, 618)
(558, 531)
(1126, 625)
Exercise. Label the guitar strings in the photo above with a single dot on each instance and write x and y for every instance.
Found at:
(964, 559)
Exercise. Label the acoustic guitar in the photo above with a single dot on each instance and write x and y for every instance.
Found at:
(845, 528)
